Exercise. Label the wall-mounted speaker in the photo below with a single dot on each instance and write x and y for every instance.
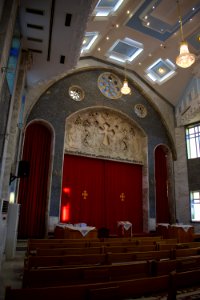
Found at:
(23, 168)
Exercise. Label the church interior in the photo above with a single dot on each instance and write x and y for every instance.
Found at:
(100, 146)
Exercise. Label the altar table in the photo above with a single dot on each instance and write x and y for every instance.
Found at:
(124, 228)
(74, 232)
(183, 233)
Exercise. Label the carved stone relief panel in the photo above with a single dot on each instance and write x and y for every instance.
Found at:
(104, 133)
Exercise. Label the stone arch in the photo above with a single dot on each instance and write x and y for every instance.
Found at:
(26, 194)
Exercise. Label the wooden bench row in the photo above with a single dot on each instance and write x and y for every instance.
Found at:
(105, 258)
(34, 244)
(83, 246)
(93, 250)
(92, 259)
(121, 289)
(85, 274)
(113, 249)
(91, 240)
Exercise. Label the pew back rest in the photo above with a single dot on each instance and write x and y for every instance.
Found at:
(64, 260)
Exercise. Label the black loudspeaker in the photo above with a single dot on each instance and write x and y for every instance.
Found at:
(23, 168)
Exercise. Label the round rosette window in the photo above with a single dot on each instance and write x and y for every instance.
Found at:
(76, 93)
(110, 85)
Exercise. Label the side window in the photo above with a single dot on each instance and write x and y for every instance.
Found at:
(195, 205)
(193, 141)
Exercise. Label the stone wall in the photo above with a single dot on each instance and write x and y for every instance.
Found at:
(55, 106)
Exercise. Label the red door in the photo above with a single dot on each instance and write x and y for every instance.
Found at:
(101, 193)
(83, 181)
(123, 186)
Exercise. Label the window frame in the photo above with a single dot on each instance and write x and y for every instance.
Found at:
(193, 138)
(193, 204)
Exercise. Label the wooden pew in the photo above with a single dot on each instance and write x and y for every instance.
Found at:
(182, 281)
(64, 260)
(119, 241)
(135, 256)
(186, 252)
(60, 276)
(188, 263)
(93, 250)
(68, 251)
(70, 275)
(168, 241)
(160, 246)
(126, 288)
(130, 248)
(31, 249)
(189, 245)
(91, 259)
(163, 267)
(148, 240)
(173, 245)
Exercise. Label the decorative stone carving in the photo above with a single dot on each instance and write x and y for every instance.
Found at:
(103, 133)
(140, 110)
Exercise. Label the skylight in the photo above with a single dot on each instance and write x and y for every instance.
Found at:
(106, 7)
(88, 41)
(125, 50)
(161, 71)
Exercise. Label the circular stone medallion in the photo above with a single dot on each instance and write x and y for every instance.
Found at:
(76, 93)
(140, 110)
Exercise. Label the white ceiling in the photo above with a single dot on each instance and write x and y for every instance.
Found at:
(55, 39)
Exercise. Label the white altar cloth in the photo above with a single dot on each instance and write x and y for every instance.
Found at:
(84, 230)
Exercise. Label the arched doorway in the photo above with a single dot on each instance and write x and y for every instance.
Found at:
(33, 190)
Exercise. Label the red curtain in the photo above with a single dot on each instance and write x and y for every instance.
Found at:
(162, 205)
(32, 193)
(100, 192)
(82, 190)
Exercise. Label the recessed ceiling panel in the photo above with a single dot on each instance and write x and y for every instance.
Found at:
(160, 19)
(194, 40)
(160, 71)
(125, 49)
(88, 40)
(106, 7)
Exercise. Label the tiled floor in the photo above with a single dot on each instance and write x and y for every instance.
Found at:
(11, 271)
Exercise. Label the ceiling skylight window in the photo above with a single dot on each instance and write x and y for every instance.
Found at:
(106, 7)
(125, 50)
(88, 41)
(160, 71)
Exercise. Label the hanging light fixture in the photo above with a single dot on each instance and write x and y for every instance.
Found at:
(185, 58)
(125, 90)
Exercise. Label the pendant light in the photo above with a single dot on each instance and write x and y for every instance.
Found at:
(185, 58)
(125, 90)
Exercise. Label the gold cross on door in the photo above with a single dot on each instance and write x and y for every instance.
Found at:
(122, 197)
(84, 194)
